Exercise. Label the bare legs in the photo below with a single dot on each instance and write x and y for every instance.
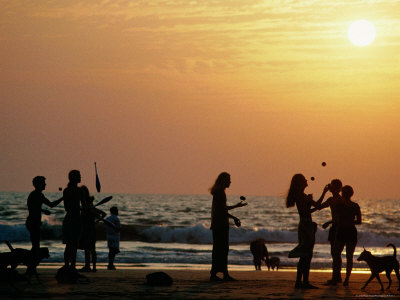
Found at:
(70, 254)
(337, 260)
(303, 272)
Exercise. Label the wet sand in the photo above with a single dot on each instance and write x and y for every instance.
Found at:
(194, 284)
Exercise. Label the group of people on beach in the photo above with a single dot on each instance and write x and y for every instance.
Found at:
(78, 229)
(345, 215)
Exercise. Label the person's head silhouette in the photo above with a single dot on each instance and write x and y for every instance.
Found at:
(74, 177)
(114, 210)
(39, 182)
(347, 192)
(222, 182)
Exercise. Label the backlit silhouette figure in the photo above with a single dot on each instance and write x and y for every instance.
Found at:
(259, 251)
(113, 228)
(35, 201)
(333, 202)
(90, 216)
(349, 215)
(306, 230)
(71, 229)
(220, 226)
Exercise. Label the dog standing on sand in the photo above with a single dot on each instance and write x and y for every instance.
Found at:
(272, 263)
(30, 258)
(380, 264)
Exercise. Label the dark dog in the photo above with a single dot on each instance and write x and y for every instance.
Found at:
(259, 251)
(380, 264)
(272, 262)
(30, 259)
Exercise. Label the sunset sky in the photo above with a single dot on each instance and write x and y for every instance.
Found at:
(164, 95)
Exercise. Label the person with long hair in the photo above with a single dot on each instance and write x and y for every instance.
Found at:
(306, 229)
(220, 227)
(90, 215)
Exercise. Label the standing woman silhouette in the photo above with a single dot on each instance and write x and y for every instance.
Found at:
(220, 227)
(306, 230)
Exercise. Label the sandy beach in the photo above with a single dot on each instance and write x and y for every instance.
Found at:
(194, 284)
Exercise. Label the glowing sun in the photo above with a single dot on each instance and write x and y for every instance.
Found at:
(361, 33)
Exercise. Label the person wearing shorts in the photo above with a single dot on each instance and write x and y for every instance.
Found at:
(113, 236)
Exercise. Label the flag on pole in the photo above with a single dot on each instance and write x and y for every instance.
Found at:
(98, 186)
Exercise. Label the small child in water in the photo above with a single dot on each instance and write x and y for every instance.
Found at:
(113, 236)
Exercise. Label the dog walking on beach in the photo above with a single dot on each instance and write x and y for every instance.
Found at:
(272, 263)
(29, 258)
(380, 264)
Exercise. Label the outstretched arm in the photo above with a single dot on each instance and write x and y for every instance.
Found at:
(240, 204)
(317, 203)
(52, 203)
(326, 189)
(326, 204)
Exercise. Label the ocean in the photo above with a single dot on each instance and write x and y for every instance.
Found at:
(173, 230)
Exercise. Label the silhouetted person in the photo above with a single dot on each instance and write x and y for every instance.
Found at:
(259, 251)
(35, 201)
(349, 215)
(90, 216)
(334, 187)
(306, 230)
(220, 226)
(113, 236)
(71, 229)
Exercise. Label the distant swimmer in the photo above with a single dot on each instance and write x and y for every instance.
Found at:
(35, 201)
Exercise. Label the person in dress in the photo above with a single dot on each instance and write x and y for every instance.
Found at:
(220, 227)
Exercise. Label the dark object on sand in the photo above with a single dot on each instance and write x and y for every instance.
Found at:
(323, 164)
(159, 279)
(312, 178)
(70, 275)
